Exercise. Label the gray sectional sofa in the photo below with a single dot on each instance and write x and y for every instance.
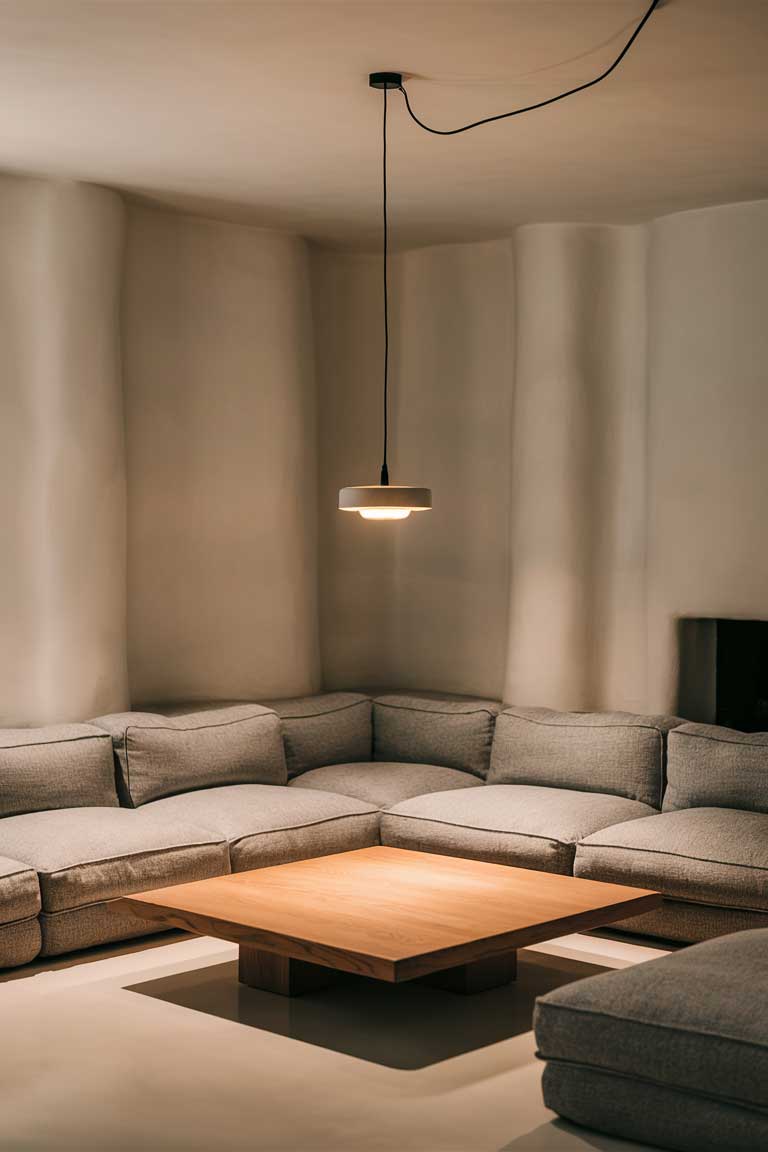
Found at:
(137, 800)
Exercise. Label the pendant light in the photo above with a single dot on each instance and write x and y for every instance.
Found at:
(385, 501)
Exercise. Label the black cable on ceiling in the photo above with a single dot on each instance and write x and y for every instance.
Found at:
(540, 103)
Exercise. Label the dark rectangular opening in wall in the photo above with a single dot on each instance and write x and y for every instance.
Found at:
(723, 676)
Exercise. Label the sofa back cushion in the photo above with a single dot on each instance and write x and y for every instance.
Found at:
(613, 752)
(331, 728)
(712, 767)
(426, 728)
(159, 755)
(62, 766)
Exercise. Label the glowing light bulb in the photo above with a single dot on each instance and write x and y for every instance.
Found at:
(384, 513)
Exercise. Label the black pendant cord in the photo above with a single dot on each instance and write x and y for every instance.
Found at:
(541, 103)
(386, 80)
(384, 468)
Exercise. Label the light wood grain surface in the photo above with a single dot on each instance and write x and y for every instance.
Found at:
(390, 913)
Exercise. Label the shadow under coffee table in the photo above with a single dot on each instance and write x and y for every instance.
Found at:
(387, 913)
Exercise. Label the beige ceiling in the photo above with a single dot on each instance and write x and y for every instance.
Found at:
(260, 110)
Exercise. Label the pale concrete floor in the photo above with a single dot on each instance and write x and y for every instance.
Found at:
(158, 1048)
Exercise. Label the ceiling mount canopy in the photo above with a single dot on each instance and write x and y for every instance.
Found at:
(384, 80)
(385, 501)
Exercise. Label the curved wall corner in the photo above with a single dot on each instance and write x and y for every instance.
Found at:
(708, 411)
(421, 602)
(451, 420)
(356, 564)
(577, 470)
(589, 405)
(220, 421)
(62, 468)
(518, 394)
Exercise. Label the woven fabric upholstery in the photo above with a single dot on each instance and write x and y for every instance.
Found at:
(384, 784)
(425, 728)
(332, 728)
(19, 942)
(711, 767)
(710, 855)
(163, 755)
(265, 825)
(62, 766)
(19, 908)
(687, 923)
(505, 824)
(650, 1113)
(673, 1051)
(19, 889)
(83, 855)
(92, 925)
(342, 833)
(610, 752)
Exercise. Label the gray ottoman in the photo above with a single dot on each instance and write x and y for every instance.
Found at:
(673, 1052)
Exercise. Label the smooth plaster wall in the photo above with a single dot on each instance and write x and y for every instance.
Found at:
(398, 603)
(221, 439)
(518, 394)
(62, 462)
(452, 429)
(357, 575)
(588, 404)
(708, 411)
(577, 469)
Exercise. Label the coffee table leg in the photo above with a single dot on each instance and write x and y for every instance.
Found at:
(479, 976)
(280, 974)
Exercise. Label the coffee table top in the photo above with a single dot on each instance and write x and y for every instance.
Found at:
(390, 913)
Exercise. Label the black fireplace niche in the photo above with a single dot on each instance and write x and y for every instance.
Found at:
(723, 674)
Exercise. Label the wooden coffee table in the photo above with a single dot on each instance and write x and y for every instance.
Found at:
(387, 913)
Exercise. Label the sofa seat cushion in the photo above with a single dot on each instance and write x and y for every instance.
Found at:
(686, 923)
(19, 942)
(427, 728)
(713, 856)
(330, 728)
(61, 766)
(506, 823)
(608, 752)
(161, 755)
(19, 889)
(92, 925)
(267, 825)
(19, 908)
(686, 1031)
(85, 855)
(384, 784)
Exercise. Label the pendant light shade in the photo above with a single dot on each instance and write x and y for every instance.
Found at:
(385, 501)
